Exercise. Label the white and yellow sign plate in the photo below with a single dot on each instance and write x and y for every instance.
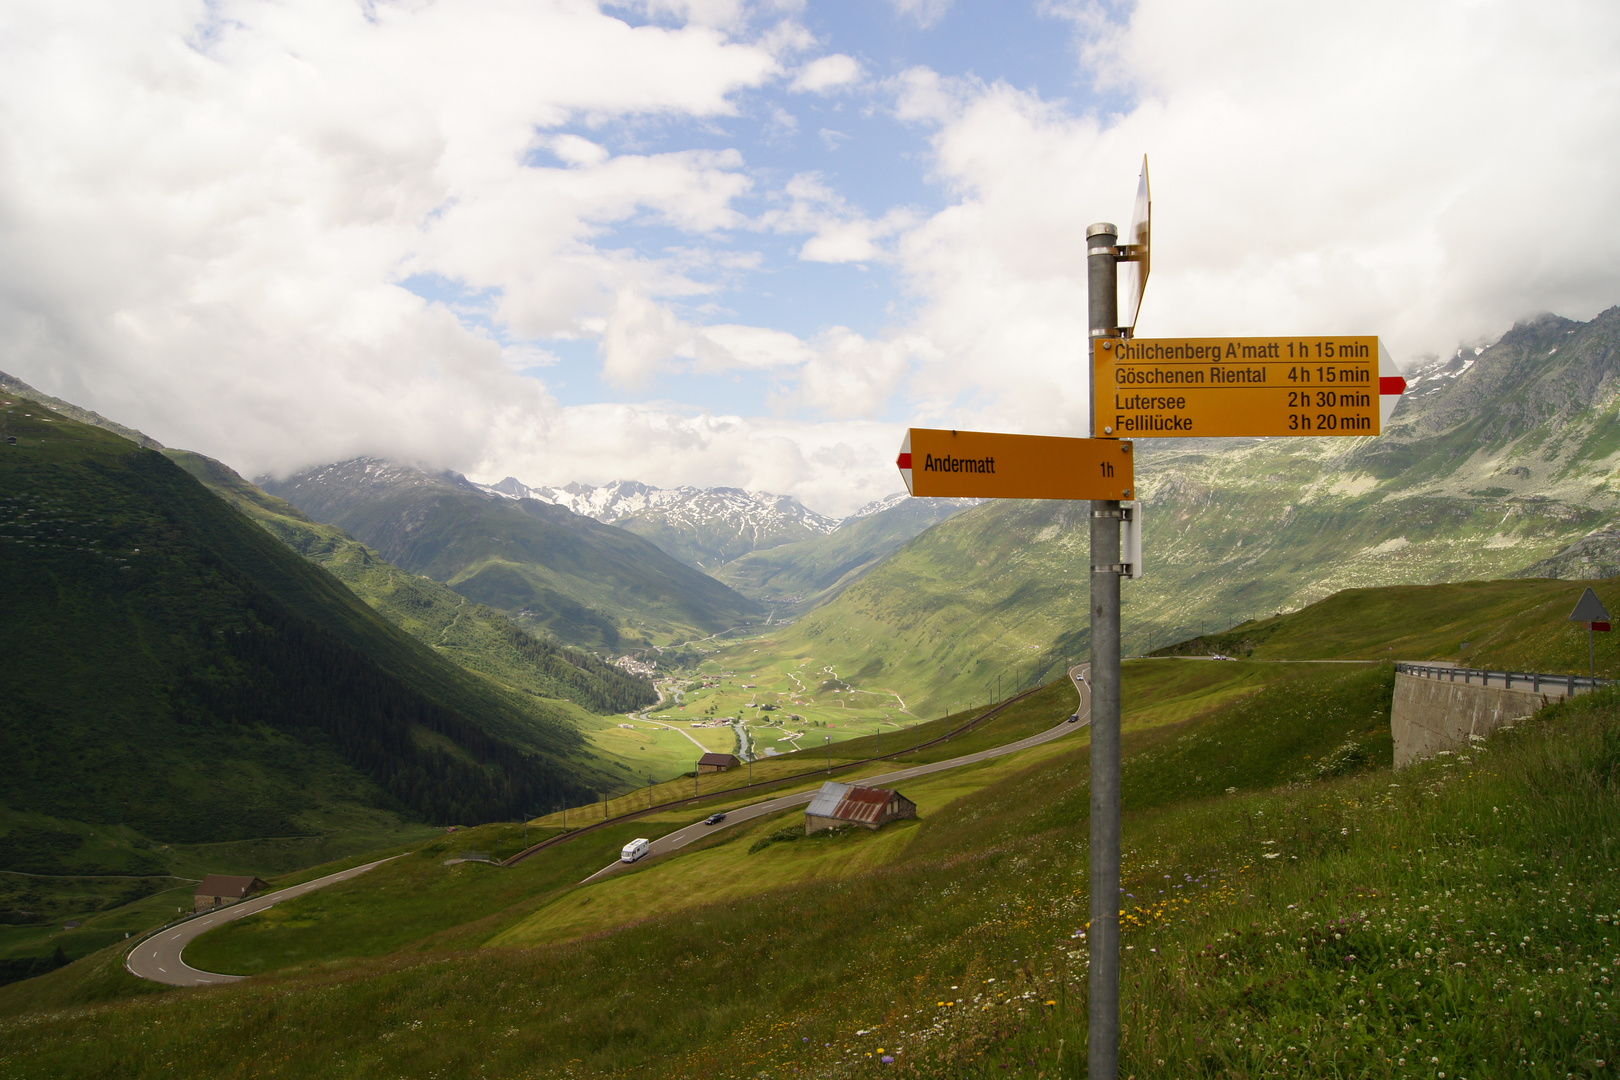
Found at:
(1156, 388)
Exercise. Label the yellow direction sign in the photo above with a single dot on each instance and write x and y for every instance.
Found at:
(1199, 387)
(990, 465)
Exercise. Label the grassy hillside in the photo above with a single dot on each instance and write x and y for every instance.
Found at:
(364, 919)
(477, 638)
(903, 632)
(584, 582)
(1492, 465)
(474, 636)
(1357, 924)
(797, 577)
(174, 676)
(136, 589)
(1523, 625)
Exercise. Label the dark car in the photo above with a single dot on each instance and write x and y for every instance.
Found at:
(714, 819)
(1073, 718)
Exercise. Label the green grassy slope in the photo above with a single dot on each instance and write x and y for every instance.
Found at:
(12, 387)
(1358, 924)
(1523, 625)
(408, 905)
(587, 583)
(956, 606)
(170, 666)
(476, 637)
(1493, 464)
(799, 576)
(112, 880)
(415, 904)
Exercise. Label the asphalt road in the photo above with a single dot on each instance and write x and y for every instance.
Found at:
(158, 957)
(676, 840)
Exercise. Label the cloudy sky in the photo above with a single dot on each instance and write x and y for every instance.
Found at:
(727, 243)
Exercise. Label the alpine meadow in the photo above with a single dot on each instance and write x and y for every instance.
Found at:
(743, 540)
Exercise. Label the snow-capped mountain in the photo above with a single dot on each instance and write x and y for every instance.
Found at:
(586, 581)
(706, 528)
(703, 527)
(889, 503)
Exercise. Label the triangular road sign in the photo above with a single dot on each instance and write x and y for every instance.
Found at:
(1589, 609)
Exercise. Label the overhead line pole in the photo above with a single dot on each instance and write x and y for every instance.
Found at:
(1102, 272)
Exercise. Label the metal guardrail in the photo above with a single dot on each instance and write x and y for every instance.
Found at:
(1535, 682)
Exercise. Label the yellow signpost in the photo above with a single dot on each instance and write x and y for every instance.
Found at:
(1149, 388)
(990, 465)
(1213, 387)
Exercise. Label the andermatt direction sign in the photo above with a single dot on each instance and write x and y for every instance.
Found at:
(1153, 388)
(1150, 388)
(990, 465)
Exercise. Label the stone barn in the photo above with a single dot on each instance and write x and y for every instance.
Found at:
(221, 890)
(845, 804)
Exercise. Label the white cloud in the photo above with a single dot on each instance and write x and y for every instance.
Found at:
(726, 14)
(577, 151)
(828, 465)
(208, 204)
(839, 232)
(782, 124)
(208, 207)
(840, 374)
(729, 348)
(641, 337)
(922, 94)
(924, 12)
(855, 239)
(1426, 171)
(828, 73)
(850, 375)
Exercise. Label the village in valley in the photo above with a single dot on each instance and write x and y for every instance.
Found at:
(753, 704)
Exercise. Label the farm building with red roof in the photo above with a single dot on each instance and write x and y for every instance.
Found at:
(845, 804)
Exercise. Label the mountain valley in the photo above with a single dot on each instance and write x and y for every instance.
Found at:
(1498, 463)
(586, 583)
(174, 670)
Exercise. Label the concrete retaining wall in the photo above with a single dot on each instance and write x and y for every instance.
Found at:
(1430, 715)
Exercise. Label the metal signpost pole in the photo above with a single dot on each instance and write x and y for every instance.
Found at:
(1102, 270)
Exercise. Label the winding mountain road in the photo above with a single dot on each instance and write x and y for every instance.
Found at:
(158, 957)
(680, 838)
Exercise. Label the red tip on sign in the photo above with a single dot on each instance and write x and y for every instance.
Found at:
(1601, 627)
(904, 461)
(1391, 384)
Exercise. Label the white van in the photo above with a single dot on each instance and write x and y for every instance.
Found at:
(634, 850)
